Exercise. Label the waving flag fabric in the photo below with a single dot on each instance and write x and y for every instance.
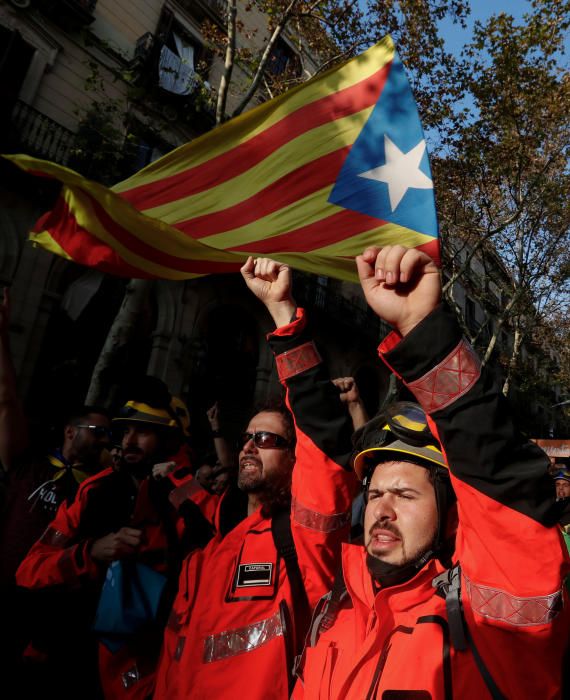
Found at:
(309, 178)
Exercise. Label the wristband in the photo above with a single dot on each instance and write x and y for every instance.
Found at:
(216, 433)
(293, 362)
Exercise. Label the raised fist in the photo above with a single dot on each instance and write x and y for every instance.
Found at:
(401, 285)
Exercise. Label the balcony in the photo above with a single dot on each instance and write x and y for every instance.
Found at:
(71, 15)
(215, 10)
(41, 136)
(169, 83)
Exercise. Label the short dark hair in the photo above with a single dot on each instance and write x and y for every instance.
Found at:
(279, 406)
(79, 413)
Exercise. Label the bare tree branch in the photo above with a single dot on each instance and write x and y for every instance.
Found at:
(228, 63)
(265, 58)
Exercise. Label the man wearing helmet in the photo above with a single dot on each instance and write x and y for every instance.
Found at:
(124, 514)
(562, 480)
(408, 509)
(446, 599)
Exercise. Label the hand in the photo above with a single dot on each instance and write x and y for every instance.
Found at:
(270, 281)
(401, 285)
(162, 469)
(348, 389)
(117, 545)
(213, 417)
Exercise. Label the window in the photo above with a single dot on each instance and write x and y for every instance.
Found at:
(283, 59)
(143, 147)
(179, 52)
(146, 152)
(176, 66)
(470, 319)
(15, 58)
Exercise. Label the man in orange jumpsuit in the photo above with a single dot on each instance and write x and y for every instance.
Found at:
(417, 613)
(244, 601)
(122, 514)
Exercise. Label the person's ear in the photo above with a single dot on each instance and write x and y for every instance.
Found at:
(69, 432)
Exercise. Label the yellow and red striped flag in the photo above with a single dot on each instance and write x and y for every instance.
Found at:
(309, 178)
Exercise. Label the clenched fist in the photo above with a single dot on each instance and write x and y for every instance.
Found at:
(401, 285)
(117, 545)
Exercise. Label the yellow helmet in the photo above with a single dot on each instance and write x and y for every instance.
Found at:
(401, 430)
(182, 414)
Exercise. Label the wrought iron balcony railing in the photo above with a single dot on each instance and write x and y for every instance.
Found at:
(41, 136)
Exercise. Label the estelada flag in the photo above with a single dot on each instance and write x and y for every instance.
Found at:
(309, 178)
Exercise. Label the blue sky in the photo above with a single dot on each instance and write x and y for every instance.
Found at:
(456, 37)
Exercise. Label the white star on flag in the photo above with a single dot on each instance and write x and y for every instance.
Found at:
(401, 171)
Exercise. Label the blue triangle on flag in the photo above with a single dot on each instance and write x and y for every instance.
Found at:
(390, 194)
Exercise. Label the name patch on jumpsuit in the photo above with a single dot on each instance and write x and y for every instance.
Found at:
(254, 575)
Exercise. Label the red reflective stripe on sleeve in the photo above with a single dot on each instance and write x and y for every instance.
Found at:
(321, 522)
(449, 380)
(496, 604)
(293, 362)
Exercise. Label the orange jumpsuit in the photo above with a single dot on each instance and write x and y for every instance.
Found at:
(60, 564)
(232, 629)
(394, 642)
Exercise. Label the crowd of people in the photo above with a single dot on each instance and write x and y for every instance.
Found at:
(416, 554)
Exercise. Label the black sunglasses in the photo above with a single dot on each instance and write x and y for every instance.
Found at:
(265, 440)
(97, 430)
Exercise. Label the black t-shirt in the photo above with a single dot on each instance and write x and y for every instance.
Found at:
(32, 496)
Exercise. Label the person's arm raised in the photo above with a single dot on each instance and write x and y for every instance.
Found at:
(401, 285)
(271, 283)
(222, 446)
(350, 397)
(507, 510)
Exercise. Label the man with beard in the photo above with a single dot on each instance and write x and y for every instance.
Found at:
(125, 515)
(244, 601)
(457, 591)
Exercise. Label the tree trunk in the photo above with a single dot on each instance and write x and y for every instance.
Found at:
(499, 325)
(514, 359)
(256, 80)
(136, 296)
(229, 62)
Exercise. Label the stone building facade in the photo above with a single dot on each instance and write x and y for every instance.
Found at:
(205, 338)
